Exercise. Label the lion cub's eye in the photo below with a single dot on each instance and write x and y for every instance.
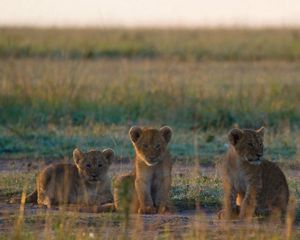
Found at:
(88, 165)
(157, 146)
(99, 165)
(250, 145)
(145, 145)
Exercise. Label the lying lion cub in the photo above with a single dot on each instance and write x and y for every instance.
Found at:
(83, 184)
(252, 184)
(146, 190)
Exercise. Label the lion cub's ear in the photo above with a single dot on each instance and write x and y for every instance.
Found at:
(109, 155)
(166, 132)
(261, 131)
(235, 135)
(135, 133)
(77, 155)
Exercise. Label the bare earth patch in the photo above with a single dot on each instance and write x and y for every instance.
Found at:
(36, 222)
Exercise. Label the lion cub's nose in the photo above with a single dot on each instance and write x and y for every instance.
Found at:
(259, 155)
(94, 175)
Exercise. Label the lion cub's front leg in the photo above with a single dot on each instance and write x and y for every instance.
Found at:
(248, 203)
(162, 194)
(231, 210)
(143, 190)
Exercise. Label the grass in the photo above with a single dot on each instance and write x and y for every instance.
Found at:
(50, 106)
(195, 44)
(183, 94)
(186, 146)
(90, 228)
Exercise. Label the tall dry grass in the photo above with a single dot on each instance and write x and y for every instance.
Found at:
(185, 94)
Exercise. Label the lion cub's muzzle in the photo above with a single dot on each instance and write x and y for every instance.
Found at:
(255, 160)
(93, 178)
(152, 161)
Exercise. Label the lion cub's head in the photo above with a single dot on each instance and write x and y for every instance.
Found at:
(248, 143)
(93, 165)
(150, 144)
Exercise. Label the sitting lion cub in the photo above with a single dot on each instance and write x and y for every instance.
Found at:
(146, 189)
(84, 184)
(252, 184)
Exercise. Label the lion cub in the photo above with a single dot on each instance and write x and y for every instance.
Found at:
(85, 183)
(146, 189)
(251, 183)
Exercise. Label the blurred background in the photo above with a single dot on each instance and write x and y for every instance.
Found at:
(80, 73)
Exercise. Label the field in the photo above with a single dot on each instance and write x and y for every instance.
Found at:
(67, 88)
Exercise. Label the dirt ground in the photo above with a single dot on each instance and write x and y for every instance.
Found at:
(186, 224)
(202, 223)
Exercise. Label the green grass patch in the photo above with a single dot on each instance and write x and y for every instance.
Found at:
(189, 192)
(187, 146)
(16, 182)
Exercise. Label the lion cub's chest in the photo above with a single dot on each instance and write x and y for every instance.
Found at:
(239, 181)
(246, 175)
(92, 193)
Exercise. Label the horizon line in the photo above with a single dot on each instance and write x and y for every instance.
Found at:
(150, 26)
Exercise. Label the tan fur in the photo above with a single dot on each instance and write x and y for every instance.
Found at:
(125, 197)
(85, 183)
(251, 183)
(146, 189)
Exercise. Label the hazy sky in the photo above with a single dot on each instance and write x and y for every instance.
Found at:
(102, 13)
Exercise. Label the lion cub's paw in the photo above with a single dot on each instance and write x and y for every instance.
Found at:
(147, 210)
(14, 200)
(108, 207)
(221, 214)
(166, 210)
(234, 214)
